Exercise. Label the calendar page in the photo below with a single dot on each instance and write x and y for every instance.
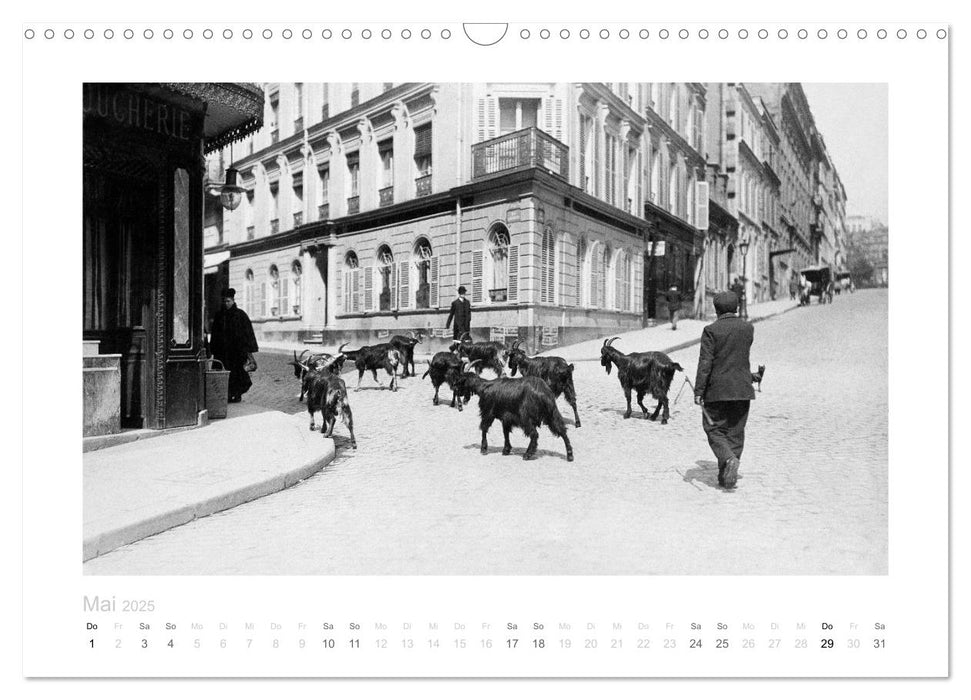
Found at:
(566, 350)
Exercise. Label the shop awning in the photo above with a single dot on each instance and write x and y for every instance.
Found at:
(211, 261)
(233, 110)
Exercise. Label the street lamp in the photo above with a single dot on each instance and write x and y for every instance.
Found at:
(231, 194)
(743, 245)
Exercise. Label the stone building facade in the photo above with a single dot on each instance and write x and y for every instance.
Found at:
(369, 204)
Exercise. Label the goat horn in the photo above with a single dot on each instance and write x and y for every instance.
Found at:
(611, 340)
(516, 343)
(341, 348)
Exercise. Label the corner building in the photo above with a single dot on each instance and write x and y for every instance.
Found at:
(369, 204)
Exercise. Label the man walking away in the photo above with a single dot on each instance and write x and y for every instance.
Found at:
(674, 306)
(233, 343)
(461, 311)
(723, 386)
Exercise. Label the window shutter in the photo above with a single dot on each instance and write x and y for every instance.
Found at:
(393, 283)
(339, 294)
(578, 278)
(404, 280)
(433, 300)
(701, 205)
(492, 118)
(284, 297)
(477, 276)
(583, 154)
(487, 118)
(369, 288)
(356, 291)
(423, 140)
(619, 284)
(597, 138)
(558, 119)
(512, 293)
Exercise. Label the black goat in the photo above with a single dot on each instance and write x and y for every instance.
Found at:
(445, 367)
(525, 403)
(318, 360)
(644, 372)
(757, 376)
(327, 393)
(489, 353)
(555, 371)
(406, 346)
(374, 357)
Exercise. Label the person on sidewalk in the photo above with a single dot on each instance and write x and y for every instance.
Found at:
(233, 343)
(723, 385)
(674, 306)
(461, 311)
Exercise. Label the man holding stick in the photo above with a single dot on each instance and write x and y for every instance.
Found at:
(723, 385)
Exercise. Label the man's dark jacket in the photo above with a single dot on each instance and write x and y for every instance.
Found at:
(724, 373)
(461, 311)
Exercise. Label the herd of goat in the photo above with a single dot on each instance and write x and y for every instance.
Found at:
(527, 403)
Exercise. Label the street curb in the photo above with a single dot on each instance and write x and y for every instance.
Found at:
(104, 542)
(689, 343)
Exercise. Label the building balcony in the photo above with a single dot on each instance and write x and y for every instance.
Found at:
(353, 205)
(386, 196)
(274, 226)
(323, 212)
(297, 218)
(528, 148)
(250, 233)
(423, 185)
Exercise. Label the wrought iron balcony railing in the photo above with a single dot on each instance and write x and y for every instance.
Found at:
(353, 205)
(386, 196)
(528, 148)
(423, 186)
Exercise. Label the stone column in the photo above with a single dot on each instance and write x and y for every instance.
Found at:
(331, 282)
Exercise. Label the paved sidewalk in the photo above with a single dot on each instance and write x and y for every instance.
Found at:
(142, 488)
(661, 337)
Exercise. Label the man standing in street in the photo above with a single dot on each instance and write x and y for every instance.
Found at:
(233, 343)
(461, 311)
(674, 306)
(723, 385)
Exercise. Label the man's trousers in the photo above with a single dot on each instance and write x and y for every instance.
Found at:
(726, 429)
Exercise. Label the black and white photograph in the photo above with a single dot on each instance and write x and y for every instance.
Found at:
(485, 328)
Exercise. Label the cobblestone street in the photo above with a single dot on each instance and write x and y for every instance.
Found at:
(416, 497)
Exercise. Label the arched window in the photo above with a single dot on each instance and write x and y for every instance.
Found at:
(296, 282)
(248, 293)
(581, 256)
(385, 277)
(349, 286)
(426, 286)
(499, 254)
(548, 267)
(276, 297)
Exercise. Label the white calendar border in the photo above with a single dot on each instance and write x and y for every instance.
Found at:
(906, 543)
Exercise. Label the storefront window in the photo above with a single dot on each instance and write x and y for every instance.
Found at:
(181, 258)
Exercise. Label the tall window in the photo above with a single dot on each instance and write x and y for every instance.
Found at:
(622, 274)
(325, 107)
(385, 274)
(277, 300)
(548, 267)
(274, 206)
(298, 106)
(353, 173)
(296, 279)
(603, 275)
(297, 203)
(248, 216)
(611, 169)
(355, 95)
(386, 153)
(517, 113)
(499, 254)
(581, 255)
(248, 287)
(323, 176)
(351, 283)
(274, 117)
(656, 177)
(673, 188)
(423, 149)
(423, 264)
(587, 146)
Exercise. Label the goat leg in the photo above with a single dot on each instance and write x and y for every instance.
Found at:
(657, 410)
(484, 426)
(627, 396)
(640, 402)
(348, 419)
(435, 398)
(666, 414)
(507, 446)
(533, 442)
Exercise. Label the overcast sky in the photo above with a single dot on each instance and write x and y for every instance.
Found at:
(852, 118)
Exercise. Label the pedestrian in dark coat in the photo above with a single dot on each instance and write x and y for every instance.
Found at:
(233, 343)
(461, 311)
(723, 385)
(674, 306)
